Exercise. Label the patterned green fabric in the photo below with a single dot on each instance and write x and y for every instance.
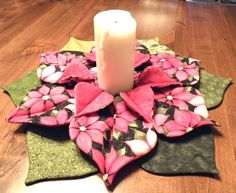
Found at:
(155, 47)
(78, 45)
(53, 156)
(193, 153)
(213, 88)
(17, 90)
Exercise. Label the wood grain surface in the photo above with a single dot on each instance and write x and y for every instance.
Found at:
(205, 31)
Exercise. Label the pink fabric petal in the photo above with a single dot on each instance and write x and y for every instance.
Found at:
(99, 125)
(48, 121)
(141, 100)
(84, 142)
(90, 98)
(88, 120)
(120, 107)
(181, 104)
(185, 96)
(98, 157)
(30, 102)
(170, 71)
(192, 72)
(110, 158)
(51, 58)
(44, 90)
(59, 98)
(18, 118)
(48, 105)
(174, 126)
(62, 117)
(121, 125)
(96, 135)
(57, 90)
(181, 75)
(91, 56)
(119, 163)
(140, 58)
(78, 71)
(37, 107)
(182, 117)
(176, 133)
(34, 94)
(73, 129)
(129, 116)
(61, 59)
(153, 76)
(159, 120)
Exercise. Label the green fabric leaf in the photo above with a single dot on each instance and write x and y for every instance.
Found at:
(213, 88)
(18, 89)
(78, 45)
(193, 153)
(155, 47)
(53, 156)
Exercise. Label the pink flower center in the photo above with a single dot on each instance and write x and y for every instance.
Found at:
(82, 128)
(45, 97)
(163, 60)
(169, 97)
(181, 68)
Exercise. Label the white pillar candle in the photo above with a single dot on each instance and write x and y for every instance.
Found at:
(115, 35)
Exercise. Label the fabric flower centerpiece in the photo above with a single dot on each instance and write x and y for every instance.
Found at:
(115, 130)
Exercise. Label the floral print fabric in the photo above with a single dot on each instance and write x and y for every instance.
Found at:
(116, 131)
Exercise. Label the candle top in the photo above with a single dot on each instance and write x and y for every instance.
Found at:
(119, 21)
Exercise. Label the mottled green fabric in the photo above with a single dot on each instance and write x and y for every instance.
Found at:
(213, 88)
(53, 156)
(78, 45)
(192, 153)
(17, 90)
(155, 47)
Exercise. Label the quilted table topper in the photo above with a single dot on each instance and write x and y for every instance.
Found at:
(116, 130)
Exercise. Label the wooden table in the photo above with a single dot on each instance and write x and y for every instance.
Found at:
(205, 31)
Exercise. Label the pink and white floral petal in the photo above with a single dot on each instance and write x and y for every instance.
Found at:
(110, 158)
(48, 105)
(57, 90)
(181, 75)
(129, 116)
(37, 107)
(51, 58)
(28, 103)
(88, 120)
(34, 94)
(151, 138)
(197, 100)
(49, 70)
(99, 125)
(159, 120)
(61, 59)
(170, 71)
(44, 90)
(95, 135)
(184, 96)
(138, 147)
(53, 78)
(48, 121)
(182, 117)
(121, 125)
(59, 98)
(180, 104)
(201, 110)
(84, 142)
(62, 117)
(73, 129)
(192, 72)
(18, 118)
(98, 157)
